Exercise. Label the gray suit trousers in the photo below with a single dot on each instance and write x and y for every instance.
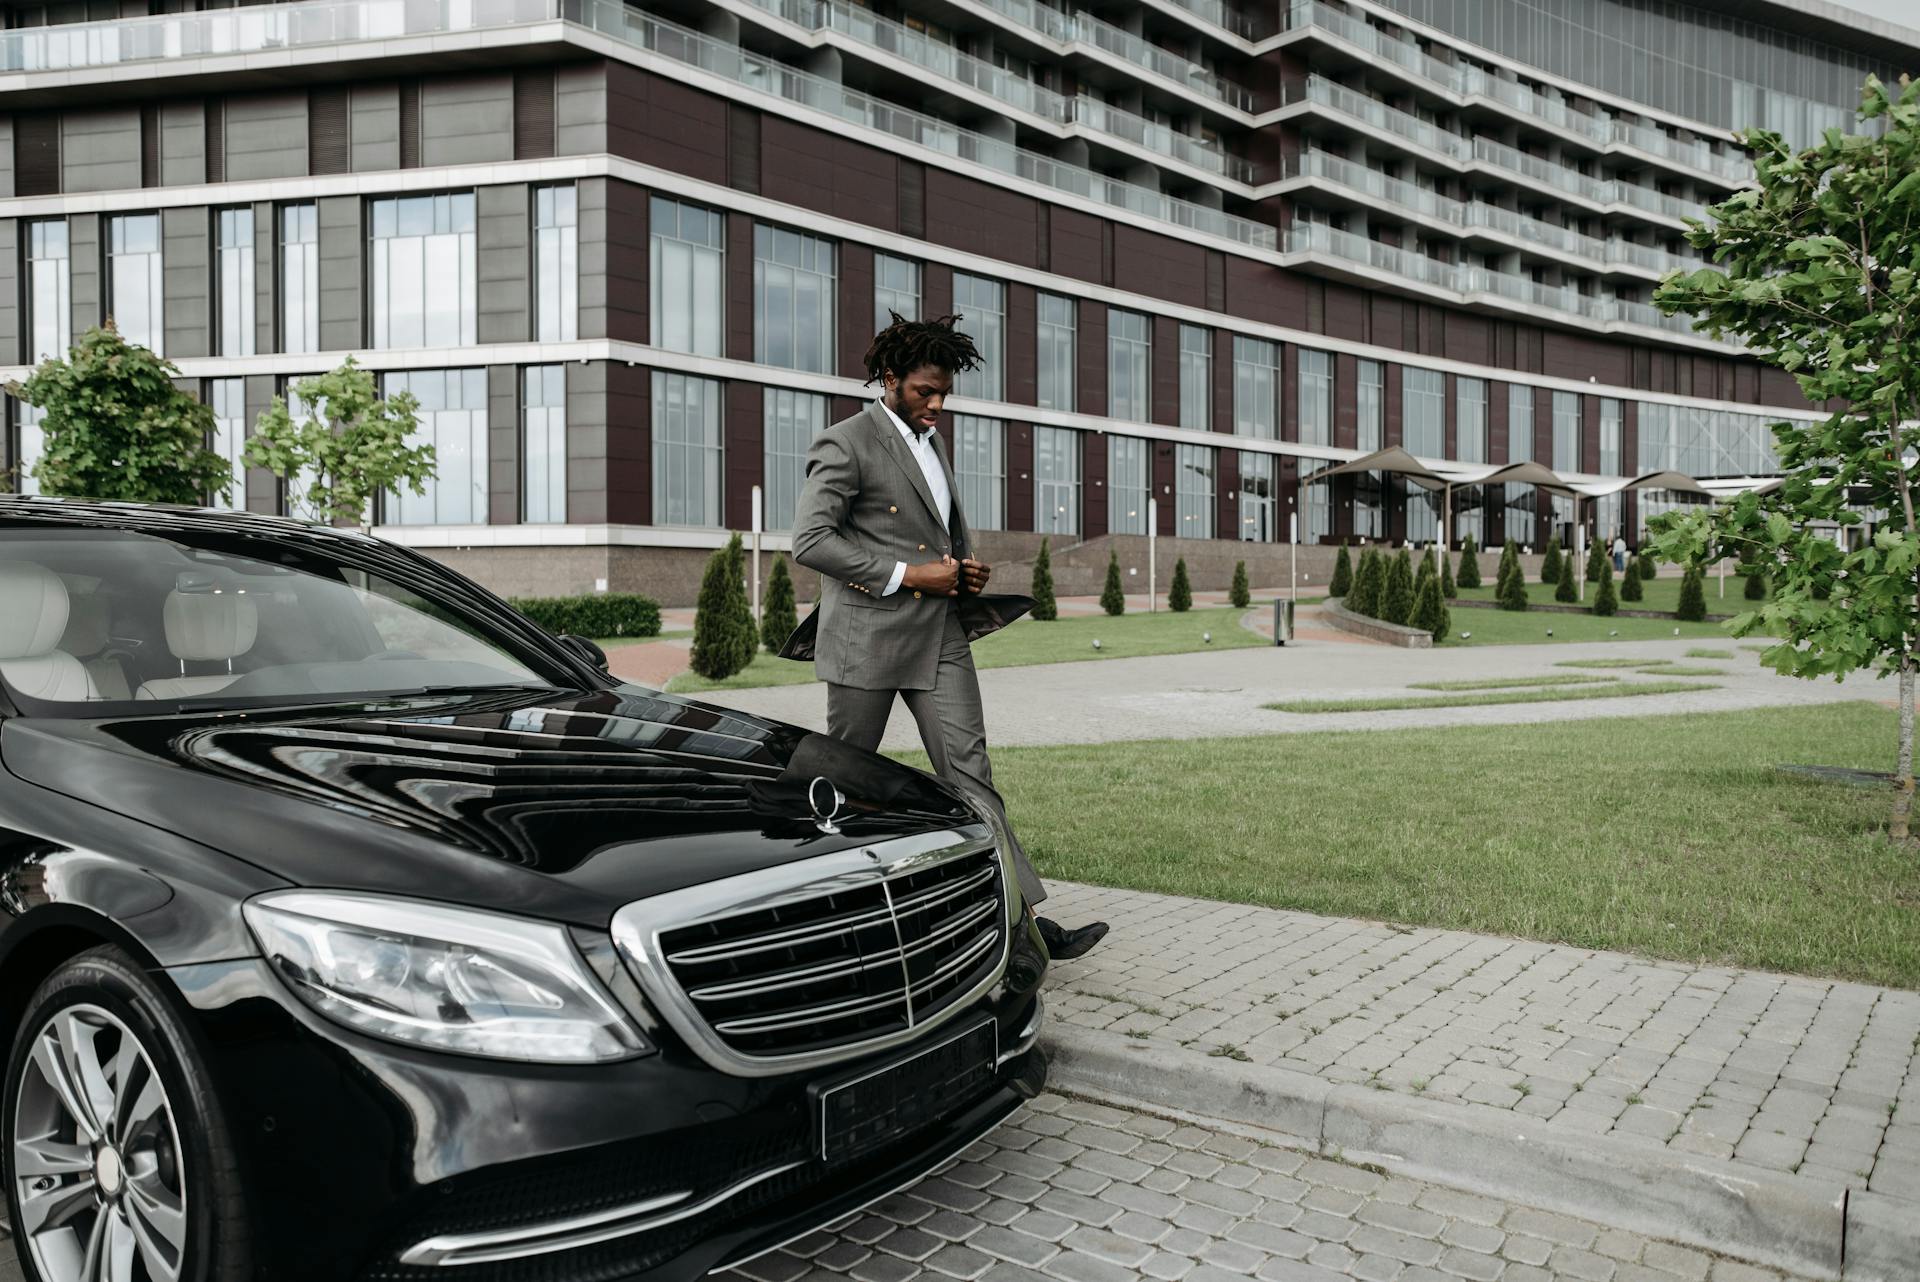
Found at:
(952, 726)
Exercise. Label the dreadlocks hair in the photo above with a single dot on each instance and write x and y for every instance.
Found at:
(905, 346)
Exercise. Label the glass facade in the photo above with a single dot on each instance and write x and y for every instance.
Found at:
(793, 292)
(134, 279)
(1316, 398)
(1519, 500)
(423, 271)
(687, 280)
(543, 444)
(30, 442)
(1196, 378)
(1256, 389)
(980, 470)
(227, 398)
(1127, 481)
(49, 291)
(1607, 510)
(1193, 491)
(453, 419)
(1566, 458)
(896, 288)
(1054, 390)
(982, 306)
(1370, 429)
(1703, 442)
(1056, 480)
(686, 450)
(789, 422)
(556, 264)
(1129, 366)
(1470, 420)
(233, 270)
(299, 278)
(1259, 519)
(1423, 405)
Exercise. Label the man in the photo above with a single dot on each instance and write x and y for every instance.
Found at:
(880, 519)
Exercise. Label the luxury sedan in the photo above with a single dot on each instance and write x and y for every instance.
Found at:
(354, 927)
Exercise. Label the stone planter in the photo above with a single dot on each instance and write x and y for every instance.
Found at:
(1335, 614)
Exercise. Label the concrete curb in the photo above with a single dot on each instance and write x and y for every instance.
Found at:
(1763, 1217)
(1334, 613)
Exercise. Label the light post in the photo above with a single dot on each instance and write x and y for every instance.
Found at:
(1153, 568)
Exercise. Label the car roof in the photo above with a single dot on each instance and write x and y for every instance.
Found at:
(166, 517)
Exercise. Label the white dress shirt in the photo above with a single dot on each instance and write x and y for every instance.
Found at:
(920, 445)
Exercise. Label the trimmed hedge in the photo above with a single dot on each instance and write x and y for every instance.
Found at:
(1630, 589)
(1469, 576)
(1240, 595)
(1342, 574)
(1606, 601)
(1045, 608)
(1550, 563)
(778, 614)
(1693, 596)
(600, 614)
(1113, 598)
(1180, 595)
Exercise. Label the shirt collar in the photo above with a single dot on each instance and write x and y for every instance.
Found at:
(913, 437)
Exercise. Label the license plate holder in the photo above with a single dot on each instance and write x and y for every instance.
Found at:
(879, 1105)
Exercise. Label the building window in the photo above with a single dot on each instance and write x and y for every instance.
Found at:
(687, 248)
(1056, 480)
(1566, 458)
(1316, 500)
(1470, 420)
(133, 279)
(543, 444)
(227, 398)
(1129, 366)
(1316, 398)
(1256, 389)
(1424, 393)
(1057, 352)
(453, 419)
(896, 288)
(686, 450)
(793, 288)
(49, 291)
(1196, 378)
(1258, 513)
(424, 268)
(789, 422)
(1423, 511)
(1127, 481)
(1519, 500)
(556, 264)
(1370, 426)
(1193, 491)
(980, 470)
(982, 306)
(299, 278)
(233, 266)
(1607, 509)
(30, 442)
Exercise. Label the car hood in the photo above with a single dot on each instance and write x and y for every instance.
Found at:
(560, 805)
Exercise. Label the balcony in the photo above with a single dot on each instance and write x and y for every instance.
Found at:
(1594, 191)
(1084, 29)
(1565, 304)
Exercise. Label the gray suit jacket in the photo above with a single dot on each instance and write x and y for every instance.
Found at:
(864, 506)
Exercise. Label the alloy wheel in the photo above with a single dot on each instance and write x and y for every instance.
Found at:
(96, 1155)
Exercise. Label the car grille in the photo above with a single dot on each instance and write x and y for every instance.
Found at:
(861, 960)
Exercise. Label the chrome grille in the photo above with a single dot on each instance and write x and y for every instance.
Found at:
(853, 951)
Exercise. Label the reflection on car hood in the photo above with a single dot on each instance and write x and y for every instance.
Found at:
(559, 805)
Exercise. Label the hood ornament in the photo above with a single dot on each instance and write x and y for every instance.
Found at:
(825, 800)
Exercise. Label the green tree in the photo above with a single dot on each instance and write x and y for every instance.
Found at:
(1512, 592)
(1422, 574)
(1342, 582)
(1564, 592)
(723, 636)
(1756, 582)
(778, 614)
(1045, 608)
(1180, 595)
(1509, 568)
(1113, 597)
(1396, 599)
(1815, 272)
(1430, 611)
(1365, 596)
(117, 428)
(1550, 563)
(1693, 596)
(1648, 569)
(1596, 557)
(349, 447)
(1630, 589)
(1447, 586)
(1469, 576)
(1240, 594)
(1606, 601)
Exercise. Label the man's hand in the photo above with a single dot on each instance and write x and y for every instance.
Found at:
(941, 578)
(976, 574)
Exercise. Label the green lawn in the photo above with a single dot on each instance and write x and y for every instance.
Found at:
(1555, 694)
(1064, 640)
(1530, 627)
(1508, 683)
(1662, 593)
(1670, 836)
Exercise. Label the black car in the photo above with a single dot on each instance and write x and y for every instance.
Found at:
(355, 927)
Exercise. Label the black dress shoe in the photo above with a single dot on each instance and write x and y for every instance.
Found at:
(1065, 945)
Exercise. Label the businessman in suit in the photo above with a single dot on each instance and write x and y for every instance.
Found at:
(879, 517)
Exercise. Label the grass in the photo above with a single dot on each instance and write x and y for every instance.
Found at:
(1506, 683)
(1661, 594)
(1390, 704)
(1602, 663)
(1701, 653)
(1669, 836)
(1680, 670)
(1530, 627)
(1066, 640)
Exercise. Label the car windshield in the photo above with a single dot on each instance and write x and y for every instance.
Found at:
(91, 618)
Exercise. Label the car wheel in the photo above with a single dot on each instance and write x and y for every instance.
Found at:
(119, 1164)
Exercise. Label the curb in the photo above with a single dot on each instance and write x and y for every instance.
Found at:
(1760, 1216)
(1334, 613)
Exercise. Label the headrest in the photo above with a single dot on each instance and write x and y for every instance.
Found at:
(33, 610)
(210, 624)
(88, 618)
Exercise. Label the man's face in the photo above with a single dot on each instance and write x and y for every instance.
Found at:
(918, 397)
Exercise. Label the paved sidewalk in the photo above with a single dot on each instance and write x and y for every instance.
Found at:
(1079, 1192)
(1812, 1077)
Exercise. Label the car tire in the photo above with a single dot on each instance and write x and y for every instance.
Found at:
(175, 1200)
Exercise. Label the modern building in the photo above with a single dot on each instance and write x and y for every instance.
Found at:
(629, 258)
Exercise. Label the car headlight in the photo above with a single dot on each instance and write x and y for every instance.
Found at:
(452, 979)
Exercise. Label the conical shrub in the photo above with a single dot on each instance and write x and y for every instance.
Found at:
(1648, 569)
(1757, 583)
(1430, 612)
(1447, 587)
(1469, 576)
(1113, 597)
(1550, 563)
(1180, 595)
(1365, 596)
(1396, 601)
(778, 614)
(1565, 592)
(1342, 574)
(1512, 593)
(1606, 600)
(1630, 589)
(1693, 596)
(1240, 595)
(1421, 575)
(1596, 557)
(1045, 608)
(721, 644)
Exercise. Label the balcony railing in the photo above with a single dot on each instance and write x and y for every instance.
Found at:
(1097, 115)
(1598, 191)
(1083, 28)
(1221, 15)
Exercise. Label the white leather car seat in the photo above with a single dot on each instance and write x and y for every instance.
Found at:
(204, 627)
(89, 624)
(33, 618)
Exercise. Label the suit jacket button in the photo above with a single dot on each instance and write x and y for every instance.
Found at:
(892, 508)
(923, 547)
(916, 596)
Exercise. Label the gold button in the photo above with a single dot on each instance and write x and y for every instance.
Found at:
(916, 596)
(891, 508)
(923, 547)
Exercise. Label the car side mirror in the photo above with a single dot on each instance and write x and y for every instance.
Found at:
(586, 649)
